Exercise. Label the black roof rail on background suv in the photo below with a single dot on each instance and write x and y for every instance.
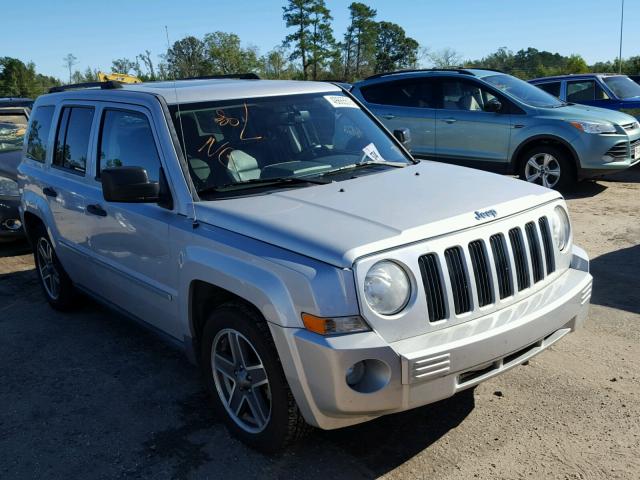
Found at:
(108, 85)
(461, 70)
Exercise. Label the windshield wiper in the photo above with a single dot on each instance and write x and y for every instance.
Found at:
(263, 182)
(367, 163)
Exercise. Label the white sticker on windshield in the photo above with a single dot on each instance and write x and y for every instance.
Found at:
(372, 152)
(338, 101)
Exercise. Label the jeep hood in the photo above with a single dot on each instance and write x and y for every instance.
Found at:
(342, 221)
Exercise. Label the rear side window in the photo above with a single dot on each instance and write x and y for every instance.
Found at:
(403, 93)
(72, 139)
(126, 139)
(584, 91)
(553, 88)
(37, 140)
(12, 127)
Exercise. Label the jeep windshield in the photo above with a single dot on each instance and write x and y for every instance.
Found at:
(523, 91)
(280, 142)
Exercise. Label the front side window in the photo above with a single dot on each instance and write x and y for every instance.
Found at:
(72, 139)
(236, 143)
(552, 88)
(418, 93)
(461, 95)
(522, 91)
(622, 86)
(585, 91)
(37, 140)
(126, 139)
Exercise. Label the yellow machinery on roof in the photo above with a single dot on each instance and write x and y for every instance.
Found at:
(118, 77)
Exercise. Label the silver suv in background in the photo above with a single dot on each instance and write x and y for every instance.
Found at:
(316, 272)
(489, 120)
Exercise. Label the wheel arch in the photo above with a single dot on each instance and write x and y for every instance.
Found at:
(517, 157)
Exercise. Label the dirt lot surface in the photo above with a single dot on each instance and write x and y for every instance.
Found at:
(91, 395)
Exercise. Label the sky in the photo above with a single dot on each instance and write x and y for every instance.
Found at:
(44, 31)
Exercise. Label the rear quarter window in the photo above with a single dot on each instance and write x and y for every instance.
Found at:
(37, 138)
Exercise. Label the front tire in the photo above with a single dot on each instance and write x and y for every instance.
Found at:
(242, 371)
(56, 284)
(548, 166)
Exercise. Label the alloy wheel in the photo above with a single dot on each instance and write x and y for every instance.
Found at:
(543, 169)
(46, 266)
(241, 380)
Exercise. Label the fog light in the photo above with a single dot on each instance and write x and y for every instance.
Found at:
(607, 158)
(355, 373)
(12, 224)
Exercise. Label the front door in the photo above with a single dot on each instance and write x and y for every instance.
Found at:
(465, 132)
(135, 267)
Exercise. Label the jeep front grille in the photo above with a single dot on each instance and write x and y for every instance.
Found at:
(494, 269)
(433, 287)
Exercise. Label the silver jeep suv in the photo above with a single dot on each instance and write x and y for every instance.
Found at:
(276, 232)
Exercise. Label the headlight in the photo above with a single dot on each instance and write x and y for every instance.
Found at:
(593, 127)
(560, 227)
(8, 187)
(387, 288)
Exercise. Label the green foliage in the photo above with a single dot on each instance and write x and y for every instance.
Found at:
(359, 46)
(187, 58)
(20, 80)
(394, 50)
(225, 54)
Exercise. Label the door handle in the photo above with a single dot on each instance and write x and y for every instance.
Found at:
(96, 210)
(449, 120)
(389, 116)
(49, 192)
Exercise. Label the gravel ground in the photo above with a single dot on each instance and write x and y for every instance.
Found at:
(91, 395)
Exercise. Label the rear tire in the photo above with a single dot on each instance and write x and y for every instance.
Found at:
(548, 166)
(242, 371)
(56, 284)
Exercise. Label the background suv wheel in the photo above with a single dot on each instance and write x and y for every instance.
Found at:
(548, 166)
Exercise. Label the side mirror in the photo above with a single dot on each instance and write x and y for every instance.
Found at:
(128, 185)
(493, 105)
(403, 135)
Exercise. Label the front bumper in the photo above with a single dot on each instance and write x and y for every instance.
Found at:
(591, 150)
(10, 222)
(430, 367)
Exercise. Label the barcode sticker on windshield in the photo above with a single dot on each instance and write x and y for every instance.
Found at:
(338, 101)
(372, 152)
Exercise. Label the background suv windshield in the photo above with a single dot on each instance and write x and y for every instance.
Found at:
(623, 86)
(523, 91)
(293, 136)
(12, 130)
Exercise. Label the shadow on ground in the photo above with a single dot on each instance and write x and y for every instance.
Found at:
(92, 388)
(617, 279)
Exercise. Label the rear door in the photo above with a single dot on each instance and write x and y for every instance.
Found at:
(65, 187)
(465, 132)
(134, 265)
(408, 104)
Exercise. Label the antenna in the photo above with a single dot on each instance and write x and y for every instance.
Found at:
(195, 223)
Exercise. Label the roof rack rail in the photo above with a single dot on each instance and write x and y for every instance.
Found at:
(108, 85)
(461, 70)
(417, 70)
(237, 76)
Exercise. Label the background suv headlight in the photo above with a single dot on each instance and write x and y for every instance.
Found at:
(387, 288)
(593, 127)
(560, 227)
(8, 188)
